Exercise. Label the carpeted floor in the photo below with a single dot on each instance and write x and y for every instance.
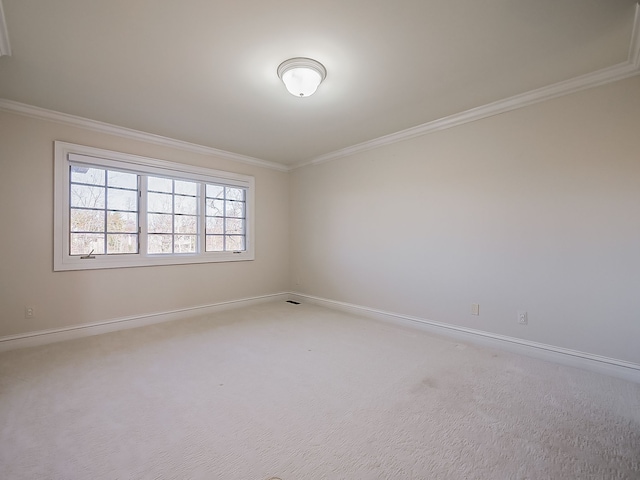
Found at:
(301, 392)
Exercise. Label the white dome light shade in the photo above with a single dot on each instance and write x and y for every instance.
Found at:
(301, 82)
(301, 76)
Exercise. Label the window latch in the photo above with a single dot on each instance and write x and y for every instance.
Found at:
(87, 257)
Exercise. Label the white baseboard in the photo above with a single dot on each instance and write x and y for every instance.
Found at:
(563, 356)
(573, 358)
(43, 337)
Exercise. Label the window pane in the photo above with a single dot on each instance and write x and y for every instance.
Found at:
(87, 220)
(235, 194)
(122, 180)
(119, 243)
(122, 222)
(185, 244)
(234, 242)
(186, 188)
(160, 244)
(92, 176)
(83, 243)
(186, 205)
(215, 243)
(215, 208)
(88, 197)
(215, 225)
(158, 223)
(235, 225)
(122, 200)
(215, 191)
(160, 202)
(186, 224)
(158, 184)
(99, 215)
(235, 209)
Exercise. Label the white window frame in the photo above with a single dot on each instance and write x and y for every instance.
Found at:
(68, 153)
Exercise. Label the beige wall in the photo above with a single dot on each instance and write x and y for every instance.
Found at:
(70, 298)
(537, 209)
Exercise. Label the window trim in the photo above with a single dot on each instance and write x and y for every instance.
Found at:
(67, 153)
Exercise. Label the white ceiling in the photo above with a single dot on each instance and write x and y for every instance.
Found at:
(204, 71)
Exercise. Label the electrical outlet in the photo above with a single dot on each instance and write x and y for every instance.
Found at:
(523, 318)
(475, 309)
(29, 312)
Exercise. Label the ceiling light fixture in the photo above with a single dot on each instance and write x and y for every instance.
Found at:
(302, 76)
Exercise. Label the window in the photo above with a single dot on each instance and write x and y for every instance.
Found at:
(119, 210)
(103, 211)
(172, 215)
(225, 218)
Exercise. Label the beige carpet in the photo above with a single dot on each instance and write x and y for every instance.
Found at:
(302, 392)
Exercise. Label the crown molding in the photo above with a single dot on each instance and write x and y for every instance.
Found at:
(600, 77)
(606, 75)
(110, 129)
(5, 47)
(634, 48)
